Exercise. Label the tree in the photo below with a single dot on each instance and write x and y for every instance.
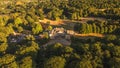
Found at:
(83, 64)
(90, 28)
(6, 59)
(39, 12)
(30, 38)
(116, 51)
(111, 37)
(1, 21)
(83, 28)
(3, 37)
(29, 19)
(49, 27)
(12, 65)
(96, 49)
(94, 28)
(54, 50)
(105, 29)
(114, 62)
(46, 35)
(18, 21)
(27, 62)
(3, 47)
(20, 29)
(30, 49)
(73, 16)
(98, 29)
(106, 58)
(55, 14)
(37, 29)
(66, 51)
(110, 28)
(55, 62)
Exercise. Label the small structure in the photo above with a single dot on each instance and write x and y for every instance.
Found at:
(57, 32)
(59, 35)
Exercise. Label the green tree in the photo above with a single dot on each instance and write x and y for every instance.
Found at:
(27, 62)
(30, 49)
(20, 29)
(98, 29)
(84, 64)
(54, 49)
(55, 62)
(110, 28)
(46, 35)
(105, 29)
(3, 37)
(3, 47)
(40, 13)
(12, 65)
(114, 62)
(116, 51)
(6, 59)
(18, 21)
(96, 49)
(66, 51)
(101, 28)
(73, 16)
(83, 28)
(30, 38)
(55, 14)
(94, 28)
(110, 37)
(29, 19)
(1, 21)
(37, 29)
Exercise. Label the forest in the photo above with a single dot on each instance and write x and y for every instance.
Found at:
(22, 34)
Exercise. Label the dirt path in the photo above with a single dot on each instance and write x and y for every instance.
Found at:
(61, 22)
(71, 32)
(90, 34)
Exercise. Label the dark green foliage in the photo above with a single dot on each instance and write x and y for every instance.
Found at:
(83, 64)
(18, 21)
(115, 62)
(55, 62)
(40, 13)
(3, 47)
(27, 62)
(111, 37)
(22, 35)
(96, 27)
(29, 19)
(10, 58)
(37, 29)
(54, 14)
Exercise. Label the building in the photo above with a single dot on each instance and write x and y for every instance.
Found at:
(58, 35)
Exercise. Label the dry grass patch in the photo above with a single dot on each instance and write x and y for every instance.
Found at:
(90, 34)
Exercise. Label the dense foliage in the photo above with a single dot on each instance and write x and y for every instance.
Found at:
(107, 27)
(22, 34)
(67, 9)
